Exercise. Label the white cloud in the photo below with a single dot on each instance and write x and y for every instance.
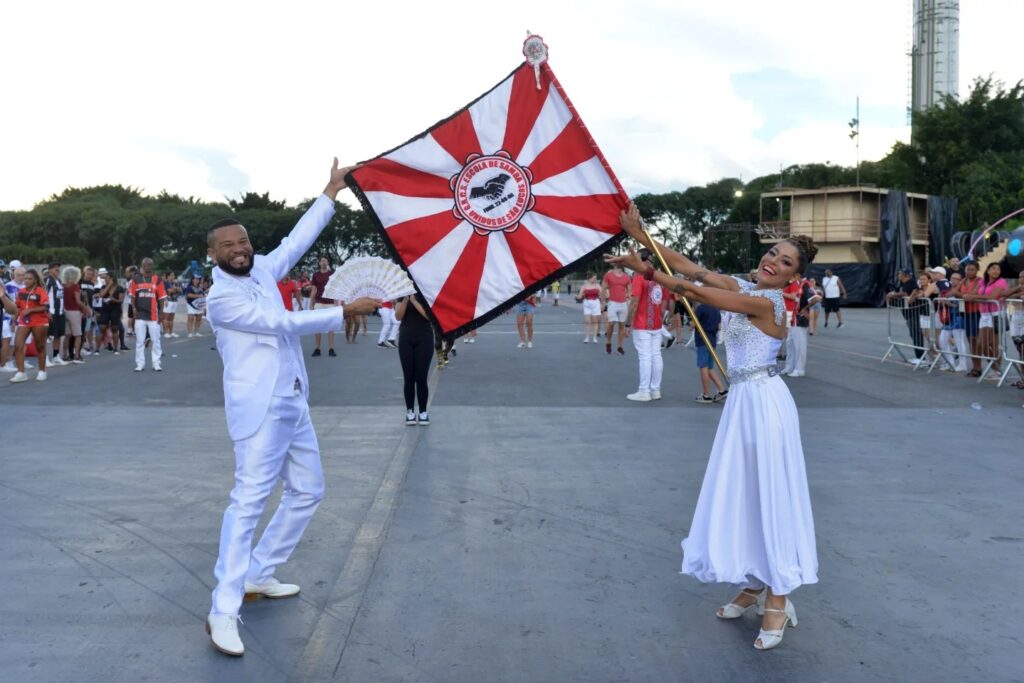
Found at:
(176, 96)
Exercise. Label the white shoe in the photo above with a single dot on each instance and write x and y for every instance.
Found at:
(471, 340)
(57, 361)
(78, 361)
(522, 345)
(529, 345)
(139, 369)
(223, 630)
(640, 396)
(655, 395)
(773, 637)
(190, 335)
(18, 378)
(10, 367)
(734, 611)
(271, 589)
(424, 418)
(410, 417)
(796, 374)
(41, 376)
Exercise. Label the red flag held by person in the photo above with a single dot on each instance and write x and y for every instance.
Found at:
(497, 201)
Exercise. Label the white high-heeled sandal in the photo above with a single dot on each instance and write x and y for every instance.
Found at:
(734, 611)
(773, 637)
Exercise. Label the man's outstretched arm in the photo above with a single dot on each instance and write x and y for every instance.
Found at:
(309, 227)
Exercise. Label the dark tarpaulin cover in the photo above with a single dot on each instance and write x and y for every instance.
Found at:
(941, 226)
(859, 279)
(894, 240)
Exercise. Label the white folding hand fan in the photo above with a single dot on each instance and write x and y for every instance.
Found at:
(368, 276)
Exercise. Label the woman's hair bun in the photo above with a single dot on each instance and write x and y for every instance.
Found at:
(805, 245)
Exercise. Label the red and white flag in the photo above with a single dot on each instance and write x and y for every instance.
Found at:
(495, 202)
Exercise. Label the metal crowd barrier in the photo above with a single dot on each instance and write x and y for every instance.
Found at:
(907, 314)
(1013, 340)
(917, 326)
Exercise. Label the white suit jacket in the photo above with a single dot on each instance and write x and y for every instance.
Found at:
(249, 319)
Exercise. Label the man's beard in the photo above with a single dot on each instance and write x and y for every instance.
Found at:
(228, 268)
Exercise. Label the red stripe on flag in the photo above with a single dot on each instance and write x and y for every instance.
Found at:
(524, 107)
(595, 211)
(414, 238)
(569, 149)
(533, 260)
(458, 137)
(385, 175)
(455, 304)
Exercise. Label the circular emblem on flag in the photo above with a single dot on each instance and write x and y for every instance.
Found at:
(492, 192)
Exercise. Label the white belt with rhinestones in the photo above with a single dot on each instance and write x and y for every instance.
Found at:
(752, 374)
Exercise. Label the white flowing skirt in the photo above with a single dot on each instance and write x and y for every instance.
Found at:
(753, 523)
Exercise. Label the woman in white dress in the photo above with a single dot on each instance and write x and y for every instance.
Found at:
(753, 524)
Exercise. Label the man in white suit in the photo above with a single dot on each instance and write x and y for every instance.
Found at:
(265, 392)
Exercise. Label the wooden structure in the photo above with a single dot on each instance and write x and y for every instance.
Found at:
(843, 221)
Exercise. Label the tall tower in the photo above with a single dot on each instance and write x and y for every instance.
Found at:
(935, 52)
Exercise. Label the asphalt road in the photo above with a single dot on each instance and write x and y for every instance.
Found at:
(530, 533)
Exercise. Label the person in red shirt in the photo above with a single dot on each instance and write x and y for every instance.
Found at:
(319, 282)
(590, 296)
(613, 295)
(646, 304)
(31, 311)
(290, 292)
(76, 308)
(147, 294)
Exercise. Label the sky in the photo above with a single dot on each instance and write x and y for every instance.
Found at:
(216, 98)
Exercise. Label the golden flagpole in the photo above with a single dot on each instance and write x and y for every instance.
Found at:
(686, 304)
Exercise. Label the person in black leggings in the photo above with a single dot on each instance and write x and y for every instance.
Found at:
(415, 349)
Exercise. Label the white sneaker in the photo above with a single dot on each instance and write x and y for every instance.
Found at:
(190, 335)
(640, 396)
(78, 361)
(522, 345)
(471, 340)
(529, 345)
(139, 369)
(410, 417)
(223, 630)
(655, 395)
(41, 376)
(57, 361)
(271, 589)
(10, 367)
(424, 418)
(19, 377)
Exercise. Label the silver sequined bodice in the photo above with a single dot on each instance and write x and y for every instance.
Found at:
(747, 348)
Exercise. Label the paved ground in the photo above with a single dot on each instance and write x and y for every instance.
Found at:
(531, 533)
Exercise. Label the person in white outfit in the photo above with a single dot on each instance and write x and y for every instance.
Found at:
(753, 524)
(388, 327)
(265, 392)
(796, 339)
(147, 294)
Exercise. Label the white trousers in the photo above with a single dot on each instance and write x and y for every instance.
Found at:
(648, 350)
(389, 325)
(140, 342)
(955, 348)
(796, 350)
(285, 447)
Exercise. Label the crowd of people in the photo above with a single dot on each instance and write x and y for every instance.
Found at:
(71, 313)
(957, 317)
